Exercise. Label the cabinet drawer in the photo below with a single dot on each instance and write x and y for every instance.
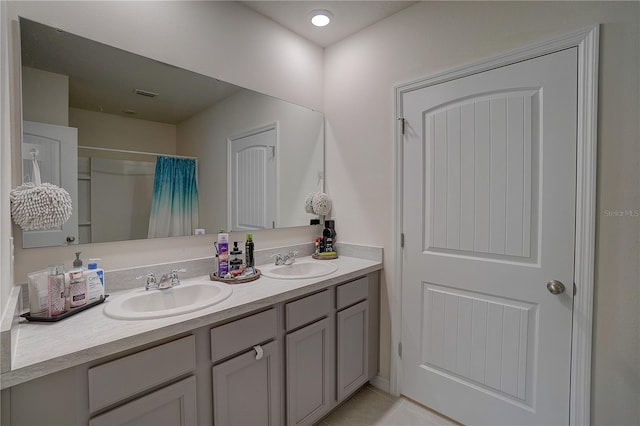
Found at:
(244, 333)
(125, 377)
(172, 405)
(308, 309)
(353, 292)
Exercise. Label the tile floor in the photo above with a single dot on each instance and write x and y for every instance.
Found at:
(371, 406)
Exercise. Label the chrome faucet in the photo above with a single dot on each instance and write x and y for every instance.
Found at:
(287, 259)
(167, 280)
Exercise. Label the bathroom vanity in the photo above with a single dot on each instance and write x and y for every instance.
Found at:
(277, 351)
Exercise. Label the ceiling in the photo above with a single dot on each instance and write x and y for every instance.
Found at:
(103, 78)
(348, 18)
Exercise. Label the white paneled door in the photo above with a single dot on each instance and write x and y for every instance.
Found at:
(252, 179)
(57, 156)
(489, 166)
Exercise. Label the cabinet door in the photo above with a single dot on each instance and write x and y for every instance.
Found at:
(353, 344)
(310, 372)
(246, 390)
(172, 405)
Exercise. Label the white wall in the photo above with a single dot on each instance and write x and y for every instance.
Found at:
(45, 97)
(360, 74)
(224, 40)
(116, 132)
(299, 159)
(7, 121)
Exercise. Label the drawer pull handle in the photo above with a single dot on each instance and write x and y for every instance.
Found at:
(259, 351)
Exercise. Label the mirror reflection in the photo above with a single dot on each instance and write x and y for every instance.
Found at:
(255, 157)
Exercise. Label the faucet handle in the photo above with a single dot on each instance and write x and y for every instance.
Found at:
(279, 259)
(175, 280)
(291, 257)
(151, 280)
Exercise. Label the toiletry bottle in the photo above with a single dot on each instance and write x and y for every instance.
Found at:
(248, 252)
(223, 254)
(56, 304)
(76, 284)
(236, 257)
(39, 292)
(77, 263)
(328, 241)
(95, 281)
(216, 260)
(77, 288)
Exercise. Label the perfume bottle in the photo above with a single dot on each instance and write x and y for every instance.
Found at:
(56, 305)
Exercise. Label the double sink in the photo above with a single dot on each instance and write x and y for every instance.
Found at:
(196, 294)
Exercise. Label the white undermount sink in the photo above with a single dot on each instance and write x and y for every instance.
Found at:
(299, 270)
(184, 298)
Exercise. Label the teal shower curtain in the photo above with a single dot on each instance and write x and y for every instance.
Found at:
(174, 206)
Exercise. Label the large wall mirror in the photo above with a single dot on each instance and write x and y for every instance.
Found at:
(256, 157)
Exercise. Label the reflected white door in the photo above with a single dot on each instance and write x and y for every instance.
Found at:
(488, 217)
(58, 160)
(252, 179)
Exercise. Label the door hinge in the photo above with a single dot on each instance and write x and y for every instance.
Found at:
(400, 349)
(575, 289)
(402, 240)
(402, 124)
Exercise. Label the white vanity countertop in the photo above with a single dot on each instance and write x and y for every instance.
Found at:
(45, 348)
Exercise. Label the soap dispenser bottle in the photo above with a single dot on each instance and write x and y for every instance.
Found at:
(77, 284)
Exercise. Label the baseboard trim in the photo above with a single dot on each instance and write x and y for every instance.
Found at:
(380, 383)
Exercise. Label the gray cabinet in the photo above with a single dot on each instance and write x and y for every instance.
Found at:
(310, 357)
(316, 350)
(173, 405)
(246, 388)
(352, 348)
(247, 379)
(310, 372)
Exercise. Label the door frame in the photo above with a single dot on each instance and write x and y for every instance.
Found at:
(587, 42)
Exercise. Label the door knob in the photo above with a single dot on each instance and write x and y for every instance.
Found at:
(555, 287)
(71, 239)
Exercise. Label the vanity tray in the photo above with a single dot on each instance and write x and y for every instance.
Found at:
(67, 314)
(318, 257)
(239, 280)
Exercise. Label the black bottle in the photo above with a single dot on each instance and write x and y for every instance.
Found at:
(248, 252)
(236, 257)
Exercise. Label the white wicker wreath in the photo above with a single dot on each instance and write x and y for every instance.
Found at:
(321, 204)
(43, 206)
(36, 205)
(308, 202)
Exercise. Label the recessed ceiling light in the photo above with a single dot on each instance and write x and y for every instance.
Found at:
(320, 17)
